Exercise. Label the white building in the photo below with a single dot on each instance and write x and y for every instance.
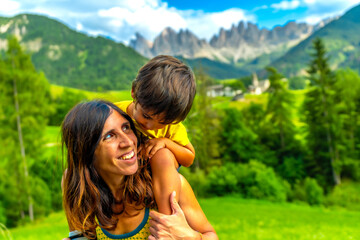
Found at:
(258, 87)
(221, 91)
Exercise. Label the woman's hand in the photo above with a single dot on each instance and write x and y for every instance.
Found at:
(172, 226)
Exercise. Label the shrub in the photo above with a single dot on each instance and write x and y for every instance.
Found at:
(252, 180)
(314, 193)
(347, 195)
(222, 180)
(351, 169)
(308, 191)
(266, 185)
(298, 193)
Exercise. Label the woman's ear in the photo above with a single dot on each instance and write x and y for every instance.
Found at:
(132, 93)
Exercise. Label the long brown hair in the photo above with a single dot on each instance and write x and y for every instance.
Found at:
(86, 196)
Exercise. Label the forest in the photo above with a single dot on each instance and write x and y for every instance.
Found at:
(299, 146)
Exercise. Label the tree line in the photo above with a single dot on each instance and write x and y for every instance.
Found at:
(259, 151)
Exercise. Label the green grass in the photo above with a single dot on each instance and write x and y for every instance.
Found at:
(52, 227)
(235, 218)
(248, 99)
(112, 96)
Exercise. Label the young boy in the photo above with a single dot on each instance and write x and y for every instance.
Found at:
(163, 93)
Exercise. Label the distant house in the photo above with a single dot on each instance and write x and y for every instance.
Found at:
(215, 91)
(221, 91)
(258, 87)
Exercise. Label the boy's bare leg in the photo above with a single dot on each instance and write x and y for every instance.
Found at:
(165, 178)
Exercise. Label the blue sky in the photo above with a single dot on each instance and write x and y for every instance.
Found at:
(121, 19)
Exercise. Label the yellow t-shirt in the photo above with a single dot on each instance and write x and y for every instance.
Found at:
(175, 132)
(142, 232)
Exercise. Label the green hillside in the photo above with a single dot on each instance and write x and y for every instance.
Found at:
(70, 58)
(242, 68)
(342, 41)
(216, 69)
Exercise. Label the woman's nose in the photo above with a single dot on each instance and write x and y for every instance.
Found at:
(125, 141)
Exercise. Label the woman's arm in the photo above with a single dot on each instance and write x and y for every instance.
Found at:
(187, 222)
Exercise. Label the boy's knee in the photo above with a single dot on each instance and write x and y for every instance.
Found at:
(164, 157)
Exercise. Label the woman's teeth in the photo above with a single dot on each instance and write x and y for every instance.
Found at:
(128, 156)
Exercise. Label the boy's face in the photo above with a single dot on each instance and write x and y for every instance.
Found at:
(146, 119)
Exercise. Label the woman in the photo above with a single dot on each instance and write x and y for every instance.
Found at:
(107, 185)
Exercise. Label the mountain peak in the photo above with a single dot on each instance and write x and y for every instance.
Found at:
(168, 31)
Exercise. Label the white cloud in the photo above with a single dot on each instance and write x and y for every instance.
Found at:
(205, 25)
(322, 9)
(151, 19)
(309, 1)
(326, 5)
(9, 6)
(314, 19)
(260, 8)
(228, 17)
(332, 2)
(154, 20)
(286, 5)
(79, 27)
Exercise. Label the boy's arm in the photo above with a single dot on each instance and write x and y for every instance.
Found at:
(184, 154)
(187, 220)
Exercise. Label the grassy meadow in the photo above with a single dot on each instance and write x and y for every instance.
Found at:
(235, 218)
(112, 96)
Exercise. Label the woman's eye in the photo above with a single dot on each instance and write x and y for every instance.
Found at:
(107, 136)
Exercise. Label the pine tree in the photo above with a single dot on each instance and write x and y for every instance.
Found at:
(279, 108)
(347, 109)
(237, 142)
(278, 130)
(23, 120)
(320, 117)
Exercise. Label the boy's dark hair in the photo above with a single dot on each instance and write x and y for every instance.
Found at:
(165, 85)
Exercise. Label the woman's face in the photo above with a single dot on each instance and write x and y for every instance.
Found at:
(116, 153)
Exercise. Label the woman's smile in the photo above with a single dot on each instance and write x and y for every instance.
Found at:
(128, 156)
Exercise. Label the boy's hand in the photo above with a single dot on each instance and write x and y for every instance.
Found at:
(154, 145)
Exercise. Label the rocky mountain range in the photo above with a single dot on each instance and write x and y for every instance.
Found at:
(242, 42)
